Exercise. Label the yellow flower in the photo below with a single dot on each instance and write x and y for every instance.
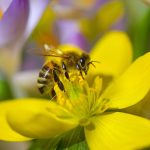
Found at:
(98, 109)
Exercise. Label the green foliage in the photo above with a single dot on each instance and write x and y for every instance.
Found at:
(5, 90)
(139, 22)
(72, 140)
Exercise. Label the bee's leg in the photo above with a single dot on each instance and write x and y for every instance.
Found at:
(65, 71)
(53, 93)
(57, 80)
(61, 86)
(79, 68)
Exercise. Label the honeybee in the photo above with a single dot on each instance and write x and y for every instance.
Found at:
(49, 74)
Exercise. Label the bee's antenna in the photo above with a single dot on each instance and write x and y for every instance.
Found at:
(91, 63)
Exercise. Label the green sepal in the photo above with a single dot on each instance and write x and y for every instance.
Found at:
(79, 146)
(72, 140)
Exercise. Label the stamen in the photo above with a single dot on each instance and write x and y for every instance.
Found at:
(80, 99)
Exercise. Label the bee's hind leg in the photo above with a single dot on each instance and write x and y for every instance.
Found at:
(61, 86)
(53, 93)
(57, 80)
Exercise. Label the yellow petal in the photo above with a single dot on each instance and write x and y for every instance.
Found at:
(132, 86)
(114, 52)
(38, 118)
(6, 132)
(142, 108)
(115, 131)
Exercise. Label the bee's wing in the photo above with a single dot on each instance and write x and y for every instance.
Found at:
(53, 54)
(50, 51)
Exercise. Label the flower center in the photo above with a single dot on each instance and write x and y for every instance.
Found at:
(80, 99)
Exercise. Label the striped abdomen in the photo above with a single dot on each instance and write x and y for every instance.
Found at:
(44, 77)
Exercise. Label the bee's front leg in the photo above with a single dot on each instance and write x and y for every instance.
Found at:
(65, 71)
(80, 70)
(57, 80)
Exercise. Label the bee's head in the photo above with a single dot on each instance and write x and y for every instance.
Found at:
(84, 63)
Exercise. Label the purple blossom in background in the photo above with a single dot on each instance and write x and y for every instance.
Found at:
(69, 33)
(16, 25)
(13, 23)
(120, 25)
(4, 4)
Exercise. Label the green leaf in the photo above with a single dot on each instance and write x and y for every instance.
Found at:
(71, 140)
(146, 148)
(79, 146)
(45, 144)
(139, 28)
(5, 90)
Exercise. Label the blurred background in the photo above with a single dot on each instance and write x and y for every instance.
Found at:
(26, 25)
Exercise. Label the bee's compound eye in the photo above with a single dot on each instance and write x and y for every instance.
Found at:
(82, 62)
